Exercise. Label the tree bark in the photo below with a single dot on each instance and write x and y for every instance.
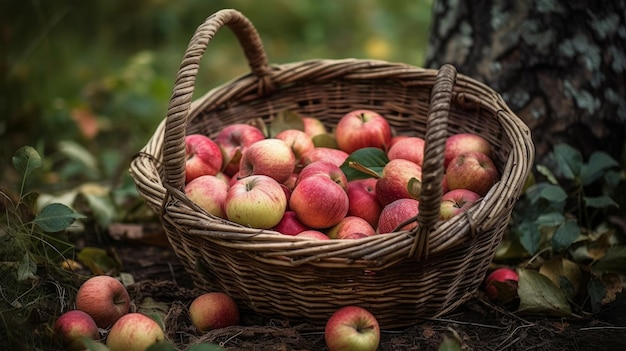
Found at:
(559, 65)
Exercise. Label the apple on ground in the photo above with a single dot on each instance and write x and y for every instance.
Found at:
(460, 143)
(270, 157)
(319, 202)
(397, 213)
(362, 128)
(410, 148)
(104, 298)
(326, 169)
(257, 201)
(209, 192)
(213, 310)
(134, 332)
(349, 226)
(471, 171)
(313, 234)
(501, 285)
(363, 200)
(352, 328)
(395, 180)
(335, 156)
(232, 140)
(298, 140)
(203, 157)
(456, 201)
(313, 126)
(72, 326)
(290, 225)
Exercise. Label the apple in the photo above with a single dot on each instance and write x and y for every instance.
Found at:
(410, 148)
(326, 169)
(471, 171)
(395, 139)
(313, 234)
(352, 328)
(501, 284)
(270, 157)
(232, 140)
(395, 180)
(291, 182)
(456, 201)
(104, 298)
(319, 202)
(257, 201)
(350, 225)
(362, 128)
(72, 326)
(363, 200)
(290, 225)
(299, 141)
(134, 332)
(203, 157)
(213, 310)
(313, 126)
(209, 192)
(335, 156)
(460, 143)
(396, 213)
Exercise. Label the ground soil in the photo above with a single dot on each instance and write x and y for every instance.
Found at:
(478, 324)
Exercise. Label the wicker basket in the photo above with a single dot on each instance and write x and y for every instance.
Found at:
(401, 276)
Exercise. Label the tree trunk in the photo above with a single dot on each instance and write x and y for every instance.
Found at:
(559, 65)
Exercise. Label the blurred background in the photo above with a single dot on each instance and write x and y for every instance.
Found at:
(86, 83)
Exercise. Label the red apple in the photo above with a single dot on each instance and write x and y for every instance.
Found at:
(363, 200)
(208, 192)
(72, 326)
(257, 201)
(203, 157)
(352, 328)
(213, 310)
(456, 201)
(501, 284)
(411, 148)
(232, 140)
(362, 128)
(270, 157)
(313, 234)
(319, 202)
(326, 169)
(134, 332)
(290, 225)
(335, 156)
(464, 142)
(350, 225)
(313, 126)
(395, 139)
(472, 171)
(298, 140)
(104, 298)
(395, 180)
(396, 213)
(291, 182)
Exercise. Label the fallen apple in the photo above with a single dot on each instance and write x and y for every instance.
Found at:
(104, 298)
(134, 332)
(213, 310)
(72, 326)
(352, 328)
(501, 284)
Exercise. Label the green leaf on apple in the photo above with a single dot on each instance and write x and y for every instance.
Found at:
(539, 295)
(285, 119)
(365, 163)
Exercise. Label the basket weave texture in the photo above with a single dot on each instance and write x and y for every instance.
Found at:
(401, 276)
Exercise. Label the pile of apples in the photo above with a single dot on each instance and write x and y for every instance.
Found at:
(289, 184)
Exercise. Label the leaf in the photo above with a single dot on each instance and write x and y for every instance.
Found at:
(566, 233)
(598, 165)
(550, 219)
(449, 344)
(27, 268)
(163, 345)
(205, 347)
(325, 140)
(539, 295)
(613, 261)
(154, 309)
(563, 273)
(547, 173)
(77, 152)
(569, 160)
(102, 207)
(56, 217)
(93, 345)
(530, 237)
(98, 261)
(597, 291)
(285, 119)
(553, 193)
(368, 161)
(25, 160)
(613, 285)
(599, 201)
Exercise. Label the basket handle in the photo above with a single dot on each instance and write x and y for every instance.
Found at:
(180, 101)
(432, 168)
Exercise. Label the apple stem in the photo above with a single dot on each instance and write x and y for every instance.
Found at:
(359, 167)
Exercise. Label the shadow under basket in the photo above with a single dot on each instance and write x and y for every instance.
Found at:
(400, 277)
